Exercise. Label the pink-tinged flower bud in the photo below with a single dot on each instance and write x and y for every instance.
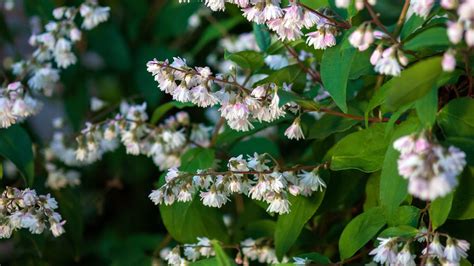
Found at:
(449, 4)
(449, 61)
(342, 3)
(402, 58)
(469, 37)
(455, 30)
(376, 55)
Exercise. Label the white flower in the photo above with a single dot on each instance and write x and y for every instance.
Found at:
(156, 196)
(205, 247)
(405, 258)
(422, 7)
(275, 62)
(456, 249)
(215, 5)
(5, 231)
(321, 39)
(191, 253)
(449, 61)
(6, 113)
(386, 251)
(342, 3)
(455, 31)
(44, 78)
(213, 198)
(279, 205)
(96, 104)
(93, 15)
(57, 228)
(294, 131)
(435, 248)
(311, 180)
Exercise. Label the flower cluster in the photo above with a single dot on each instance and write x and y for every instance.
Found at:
(252, 177)
(25, 209)
(288, 22)
(463, 27)
(389, 61)
(387, 252)
(249, 250)
(164, 143)
(53, 51)
(60, 178)
(16, 104)
(430, 168)
(239, 105)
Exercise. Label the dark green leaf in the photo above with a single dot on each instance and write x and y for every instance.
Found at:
(363, 150)
(262, 36)
(399, 231)
(161, 110)
(335, 68)
(256, 144)
(405, 215)
(221, 256)
(246, 59)
(439, 210)
(463, 201)
(432, 37)
(359, 231)
(329, 125)
(427, 108)
(214, 31)
(15, 145)
(456, 119)
(289, 226)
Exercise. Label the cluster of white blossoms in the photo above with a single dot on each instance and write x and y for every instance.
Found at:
(53, 52)
(464, 26)
(389, 61)
(238, 104)
(388, 253)
(430, 168)
(164, 143)
(59, 178)
(288, 22)
(16, 104)
(25, 209)
(249, 250)
(253, 177)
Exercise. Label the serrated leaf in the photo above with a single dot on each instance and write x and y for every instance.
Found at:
(15, 145)
(359, 231)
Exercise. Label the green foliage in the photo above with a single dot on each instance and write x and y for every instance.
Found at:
(360, 230)
(16, 146)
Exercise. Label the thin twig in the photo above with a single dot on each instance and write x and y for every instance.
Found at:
(314, 75)
(376, 20)
(343, 24)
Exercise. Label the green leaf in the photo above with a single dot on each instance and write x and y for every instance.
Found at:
(315, 258)
(439, 210)
(288, 96)
(363, 150)
(335, 68)
(427, 108)
(399, 231)
(329, 125)
(405, 215)
(292, 74)
(393, 187)
(359, 231)
(456, 119)
(246, 59)
(432, 37)
(187, 221)
(262, 36)
(289, 226)
(71, 209)
(372, 191)
(206, 262)
(115, 50)
(256, 144)
(413, 83)
(161, 110)
(221, 256)
(462, 207)
(412, 24)
(16, 146)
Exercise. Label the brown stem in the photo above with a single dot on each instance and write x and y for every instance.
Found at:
(219, 125)
(401, 19)
(314, 75)
(354, 117)
(376, 20)
(343, 24)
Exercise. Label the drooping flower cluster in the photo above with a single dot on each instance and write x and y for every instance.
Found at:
(253, 177)
(25, 209)
(59, 178)
(389, 61)
(249, 250)
(53, 52)
(164, 143)
(239, 105)
(388, 251)
(430, 168)
(288, 22)
(463, 27)
(16, 104)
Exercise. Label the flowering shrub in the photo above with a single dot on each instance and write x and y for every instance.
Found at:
(237, 132)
